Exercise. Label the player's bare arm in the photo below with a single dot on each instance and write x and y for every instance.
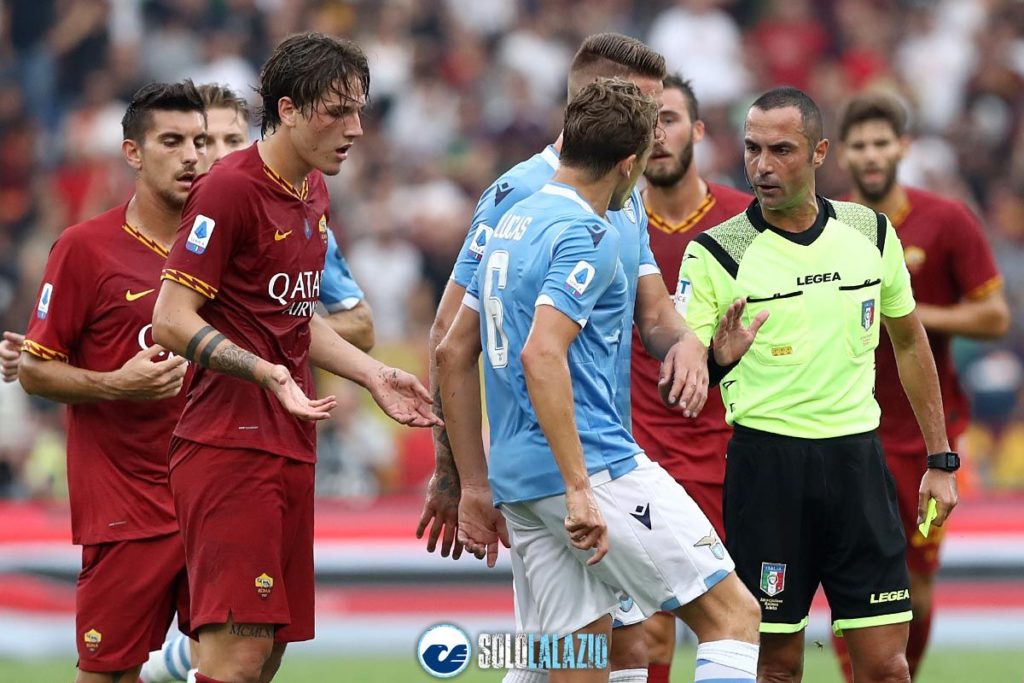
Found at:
(921, 383)
(546, 366)
(397, 392)
(176, 322)
(986, 317)
(441, 503)
(144, 377)
(354, 325)
(10, 354)
(480, 525)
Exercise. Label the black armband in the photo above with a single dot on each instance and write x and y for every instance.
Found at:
(716, 372)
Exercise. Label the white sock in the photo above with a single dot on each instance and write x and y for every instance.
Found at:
(726, 660)
(628, 676)
(170, 663)
(192, 675)
(525, 676)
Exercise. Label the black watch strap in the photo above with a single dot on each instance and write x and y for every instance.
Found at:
(948, 461)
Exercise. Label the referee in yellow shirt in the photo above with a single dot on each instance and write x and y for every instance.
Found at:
(808, 497)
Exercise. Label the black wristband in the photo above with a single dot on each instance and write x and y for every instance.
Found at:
(947, 462)
(716, 372)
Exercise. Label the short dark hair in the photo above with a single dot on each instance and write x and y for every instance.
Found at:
(307, 68)
(684, 86)
(612, 55)
(137, 119)
(787, 96)
(873, 107)
(607, 121)
(217, 96)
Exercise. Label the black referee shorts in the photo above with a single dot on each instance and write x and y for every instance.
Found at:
(804, 512)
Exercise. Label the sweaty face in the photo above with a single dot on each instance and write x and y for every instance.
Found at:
(871, 153)
(673, 150)
(778, 158)
(171, 153)
(324, 137)
(226, 131)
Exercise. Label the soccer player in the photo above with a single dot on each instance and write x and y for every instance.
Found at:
(588, 514)
(600, 56)
(680, 205)
(238, 294)
(959, 292)
(808, 497)
(227, 128)
(89, 344)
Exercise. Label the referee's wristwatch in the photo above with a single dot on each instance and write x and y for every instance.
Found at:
(947, 462)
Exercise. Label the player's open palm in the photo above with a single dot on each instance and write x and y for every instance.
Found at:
(402, 397)
(441, 512)
(585, 523)
(481, 525)
(10, 355)
(732, 339)
(283, 386)
(144, 377)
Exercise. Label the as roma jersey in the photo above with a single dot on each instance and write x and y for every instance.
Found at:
(689, 449)
(949, 260)
(254, 246)
(94, 311)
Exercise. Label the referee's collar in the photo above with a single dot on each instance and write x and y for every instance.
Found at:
(805, 238)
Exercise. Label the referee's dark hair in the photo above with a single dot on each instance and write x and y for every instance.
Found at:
(677, 82)
(613, 55)
(606, 122)
(307, 68)
(810, 115)
(137, 119)
(873, 106)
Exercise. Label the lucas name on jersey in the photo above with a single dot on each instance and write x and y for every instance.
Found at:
(512, 227)
(298, 293)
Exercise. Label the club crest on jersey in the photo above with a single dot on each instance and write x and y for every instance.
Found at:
(773, 578)
(92, 639)
(199, 236)
(580, 278)
(867, 314)
(629, 210)
(479, 243)
(712, 543)
(264, 584)
(44, 301)
(323, 227)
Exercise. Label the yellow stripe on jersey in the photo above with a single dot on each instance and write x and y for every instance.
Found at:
(151, 243)
(40, 351)
(300, 193)
(988, 287)
(189, 281)
(661, 224)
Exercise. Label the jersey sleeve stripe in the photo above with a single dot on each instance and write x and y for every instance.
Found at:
(470, 301)
(189, 281)
(986, 288)
(718, 251)
(880, 238)
(43, 352)
(648, 269)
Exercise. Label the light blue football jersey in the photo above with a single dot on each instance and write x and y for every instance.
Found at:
(338, 289)
(552, 249)
(525, 179)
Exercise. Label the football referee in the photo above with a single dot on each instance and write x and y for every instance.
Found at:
(808, 497)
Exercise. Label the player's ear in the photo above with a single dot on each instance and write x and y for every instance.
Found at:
(698, 131)
(288, 112)
(132, 153)
(626, 165)
(904, 145)
(820, 152)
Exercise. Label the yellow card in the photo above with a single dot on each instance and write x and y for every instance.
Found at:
(926, 526)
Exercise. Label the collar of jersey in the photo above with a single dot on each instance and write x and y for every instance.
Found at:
(805, 238)
(568, 192)
(550, 155)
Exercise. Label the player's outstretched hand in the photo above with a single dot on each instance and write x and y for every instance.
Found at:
(684, 376)
(441, 506)
(732, 340)
(481, 525)
(10, 355)
(941, 486)
(282, 385)
(402, 397)
(585, 523)
(144, 378)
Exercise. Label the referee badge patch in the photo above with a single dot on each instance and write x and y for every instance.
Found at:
(773, 578)
(867, 314)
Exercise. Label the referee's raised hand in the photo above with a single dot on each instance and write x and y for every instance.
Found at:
(732, 339)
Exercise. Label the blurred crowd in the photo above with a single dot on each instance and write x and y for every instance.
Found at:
(460, 91)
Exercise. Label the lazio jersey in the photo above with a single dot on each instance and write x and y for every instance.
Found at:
(552, 249)
(338, 289)
(525, 179)
(811, 370)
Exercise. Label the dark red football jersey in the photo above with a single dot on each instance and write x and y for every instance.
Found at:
(689, 449)
(949, 260)
(254, 246)
(95, 311)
